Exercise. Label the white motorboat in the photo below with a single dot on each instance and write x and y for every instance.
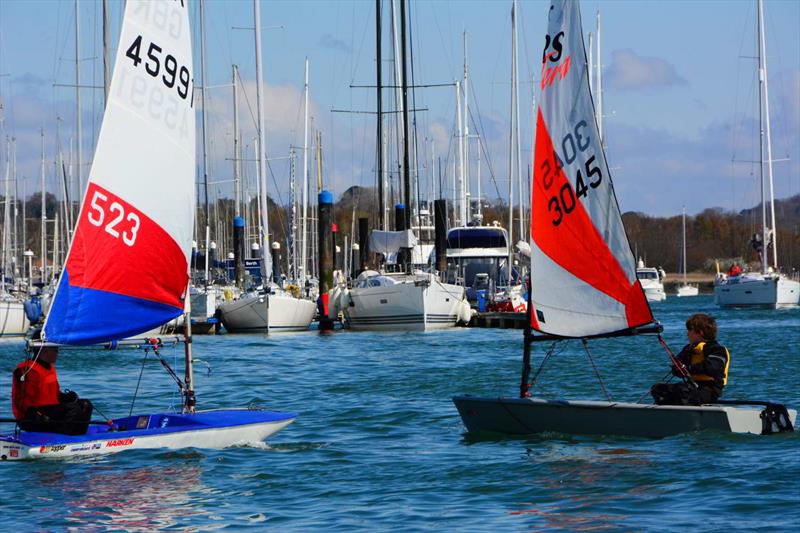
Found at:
(652, 285)
(477, 258)
(271, 312)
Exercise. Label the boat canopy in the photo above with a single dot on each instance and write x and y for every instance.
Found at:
(388, 242)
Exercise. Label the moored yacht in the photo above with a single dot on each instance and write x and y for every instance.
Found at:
(402, 302)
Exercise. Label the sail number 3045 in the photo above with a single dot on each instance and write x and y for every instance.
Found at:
(171, 74)
(563, 201)
(98, 207)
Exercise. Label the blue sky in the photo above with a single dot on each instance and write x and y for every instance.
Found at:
(679, 96)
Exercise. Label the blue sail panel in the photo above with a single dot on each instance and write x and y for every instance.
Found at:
(82, 316)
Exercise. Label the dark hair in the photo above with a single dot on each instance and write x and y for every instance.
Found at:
(703, 324)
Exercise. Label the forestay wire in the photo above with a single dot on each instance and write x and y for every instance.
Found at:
(596, 371)
(541, 365)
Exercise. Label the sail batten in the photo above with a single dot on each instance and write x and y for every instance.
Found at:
(583, 272)
(127, 268)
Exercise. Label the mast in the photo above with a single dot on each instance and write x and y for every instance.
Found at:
(765, 132)
(6, 218)
(203, 119)
(459, 191)
(512, 144)
(304, 219)
(684, 244)
(106, 52)
(44, 218)
(466, 133)
(262, 148)
(404, 84)
(379, 99)
(515, 120)
(237, 158)
(78, 101)
(598, 66)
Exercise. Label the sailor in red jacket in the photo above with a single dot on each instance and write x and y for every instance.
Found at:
(37, 401)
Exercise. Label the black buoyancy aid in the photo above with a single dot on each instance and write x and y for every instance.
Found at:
(703, 351)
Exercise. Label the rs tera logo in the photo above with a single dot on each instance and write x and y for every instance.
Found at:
(549, 73)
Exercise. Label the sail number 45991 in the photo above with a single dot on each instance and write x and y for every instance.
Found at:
(173, 74)
(97, 217)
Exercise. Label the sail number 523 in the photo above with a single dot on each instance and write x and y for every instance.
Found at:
(116, 212)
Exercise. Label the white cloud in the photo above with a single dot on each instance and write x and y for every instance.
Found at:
(629, 71)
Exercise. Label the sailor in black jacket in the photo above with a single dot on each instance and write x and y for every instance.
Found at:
(704, 359)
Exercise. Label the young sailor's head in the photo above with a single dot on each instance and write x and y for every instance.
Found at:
(48, 354)
(701, 327)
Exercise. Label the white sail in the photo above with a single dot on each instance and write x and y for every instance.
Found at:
(583, 272)
(127, 267)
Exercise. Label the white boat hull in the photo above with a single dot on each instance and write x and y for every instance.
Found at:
(655, 293)
(407, 306)
(524, 416)
(687, 290)
(13, 320)
(113, 442)
(270, 314)
(765, 293)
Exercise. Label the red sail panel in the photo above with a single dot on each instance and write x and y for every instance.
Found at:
(119, 249)
(562, 228)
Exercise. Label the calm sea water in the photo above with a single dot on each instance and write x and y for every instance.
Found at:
(379, 446)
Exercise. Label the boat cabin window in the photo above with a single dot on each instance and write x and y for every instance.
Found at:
(376, 281)
(646, 275)
(476, 238)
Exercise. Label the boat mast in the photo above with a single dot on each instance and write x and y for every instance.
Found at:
(237, 159)
(6, 218)
(518, 146)
(106, 52)
(379, 99)
(511, 144)
(404, 84)
(598, 64)
(44, 218)
(262, 149)
(304, 220)
(458, 192)
(684, 244)
(203, 119)
(78, 102)
(466, 135)
(765, 131)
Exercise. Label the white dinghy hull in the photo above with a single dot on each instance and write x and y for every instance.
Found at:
(205, 429)
(527, 416)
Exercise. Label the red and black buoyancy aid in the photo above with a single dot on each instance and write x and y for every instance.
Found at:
(34, 385)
